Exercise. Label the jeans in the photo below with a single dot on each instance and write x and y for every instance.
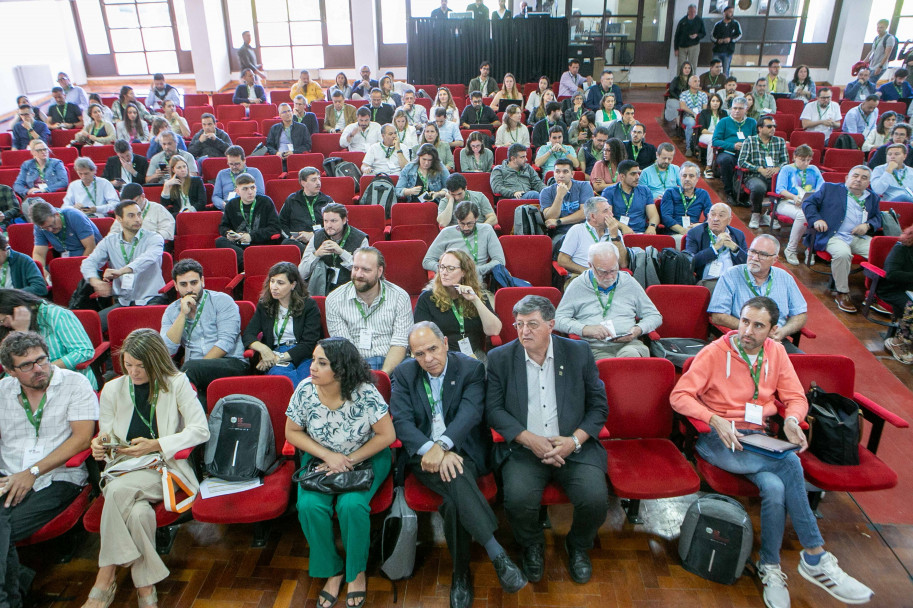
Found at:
(375, 363)
(688, 122)
(726, 58)
(782, 487)
(758, 188)
(293, 373)
(532, 194)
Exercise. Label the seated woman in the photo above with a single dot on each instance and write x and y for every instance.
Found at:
(41, 173)
(794, 182)
(108, 113)
(575, 110)
(387, 94)
(605, 171)
(512, 130)
(128, 96)
(893, 290)
(581, 131)
(454, 300)
(750, 110)
(431, 135)
(159, 126)
(880, 135)
(404, 132)
(509, 91)
(475, 157)
(707, 120)
(132, 128)
(338, 417)
(98, 131)
(802, 86)
(285, 348)
(177, 122)
(535, 98)
(425, 177)
(607, 112)
(676, 87)
(154, 408)
(445, 100)
(68, 343)
(547, 97)
(182, 191)
(691, 102)
(341, 85)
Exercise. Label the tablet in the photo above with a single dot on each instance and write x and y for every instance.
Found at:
(765, 444)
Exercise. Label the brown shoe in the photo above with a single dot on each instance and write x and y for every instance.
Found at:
(845, 303)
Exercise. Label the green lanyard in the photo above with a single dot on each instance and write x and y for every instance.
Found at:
(479, 113)
(92, 194)
(155, 398)
(474, 248)
(605, 305)
(402, 137)
(342, 244)
(754, 371)
(249, 220)
(627, 131)
(233, 178)
(145, 211)
(123, 250)
(712, 237)
(592, 232)
(63, 227)
(374, 114)
(422, 179)
(62, 115)
(40, 171)
(687, 203)
(288, 134)
(281, 332)
(6, 270)
(635, 151)
(459, 317)
(803, 177)
(714, 81)
(739, 125)
(859, 201)
(388, 152)
(628, 201)
(188, 329)
(431, 400)
(899, 180)
(820, 113)
(606, 117)
(899, 90)
(361, 309)
(751, 284)
(309, 203)
(511, 133)
(662, 177)
(613, 175)
(34, 418)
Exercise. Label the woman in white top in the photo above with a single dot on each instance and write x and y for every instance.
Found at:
(607, 112)
(133, 127)
(106, 111)
(532, 102)
(512, 131)
(508, 90)
(445, 100)
(406, 135)
(177, 122)
(547, 97)
(881, 133)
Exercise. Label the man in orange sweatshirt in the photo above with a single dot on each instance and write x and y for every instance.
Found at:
(731, 386)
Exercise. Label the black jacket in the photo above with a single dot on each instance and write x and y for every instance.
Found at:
(646, 156)
(483, 116)
(240, 95)
(881, 156)
(309, 121)
(300, 136)
(112, 168)
(308, 330)
(899, 279)
(197, 195)
(295, 217)
(685, 28)
(265, 220)
(210, 147)
(381, 115)
(540, 133)
(698, 244)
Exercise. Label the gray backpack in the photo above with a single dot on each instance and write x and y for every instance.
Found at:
(643, 265)
(399, 537)
(890, 223)
(716, 539)
(528, 220)
(241, 443)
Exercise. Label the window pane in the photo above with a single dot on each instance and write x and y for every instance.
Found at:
(818, 24)
(93, 27)
(782, 30)
(905, 29)
(276, 58)
(625, 7)
(393, 19)
(307, 57)
(752, 29)
(339, 23)
(118, 1)
(127, 40)
(131, 63)
(273, 34)
(306, 10)
(420, 8)
(746, 54)
(158, 39)
(164, 61)
(154, 15)
(240, 20)
(272, 11)
(654, 22)
(121, 16)
(180, 15)
(306, 32)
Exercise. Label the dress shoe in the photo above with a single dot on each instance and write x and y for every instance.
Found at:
(578, 564)
(845, 303)
(461, 593)
(534, 563)
(510, 576)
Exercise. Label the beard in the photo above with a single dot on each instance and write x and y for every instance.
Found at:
(363, 285)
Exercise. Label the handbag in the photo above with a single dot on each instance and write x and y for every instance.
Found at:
(835, 427)
(359, 479)
(171, 482)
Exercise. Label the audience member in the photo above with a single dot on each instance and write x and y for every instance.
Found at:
(431, 135)
(512, 131)
(476, 114)
(637, 149)
(247, 57)
(209, 140)
(822, 116)
(176, 122)
(62, 114)
(592, 151)
(125, 97)
(386, 156)
(893, 181)
(632, 203)
(764, 100)
(561, 202)
(74, 94)
(575, 109)
(301, 115)
(224, 188)
(68, 231)
(456, 193)
(20, 271)
(162, 159)
(730, 135)
(307, 88)
(160, 92)
(96, 132)
(380, 112)
(581, 131)
(357, 136)
(662, 174)
(287, 137)
(715, 246)
(554, 150)
(571, 80)
(41, 173)
(483, 83)
(302, 214)
(600, 226)
(707, 121)
(94, 196)
(478, 9)
(248, 92)
(880, 53)
(405, 132)
(684, 204)
(794, 183)
(676, 87)
(541, 111)
(762, 157)
(182, 191)
(475, 157)
(897, 88)
(713, 80)
(860, 88)
(478, 239)
(327, 259)
(363, 87)
(880, 135)
(132, 128)
(248, 219)
(862, 118)
(802, 85)
(387, 93)
(339, 115)
(605, 169)
(423, 179)
(158, 130)
(28, 129)
(535, 98)
(415, 113)
(692, 102)
(445, 100)
(900, 134)
(542, 129)
(621, 129)
(893, 289)
(776, 84)
(155, 217)
(507, 91)
(730, 91)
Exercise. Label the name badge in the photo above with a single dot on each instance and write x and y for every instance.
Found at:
(289, 147)
(769, 161)
(32, 456)
(714, 271)
(334, 275)
(466, 347)
(865, 216)
(127, 281)
(610, 326)
(316, 227)
(712, 90)
(231, 195)
(740, 135)
(686, 222)
(754, 413)
(364, 339)
(624, 219)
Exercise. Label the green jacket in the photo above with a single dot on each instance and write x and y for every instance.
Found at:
(25, 274)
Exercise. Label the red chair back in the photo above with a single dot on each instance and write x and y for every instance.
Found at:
(270, 166)
(904, 211)
(879, 248)
(325, 143)
(69, 155)
(355, 158)
(246, 311)
(859, 138)
(14, 158)
(893, 106)
(637, 390)
(383, 384)
(199, 229)
(248, 143)
(319, 107)
(684, 310)
(274, 391)
(402, 214)
(65, 276)
(369, 219)
(321, 302)
(92, 324)
(340, 189)
(195, 113)
(659, 241)
(846, 105)
(98, 154)
(404, 265)
(815, 139)
(258, 259)
(226, 113)
(457, 91)
(223, 99)
(505, 212)
(832, 373)
(787, 122)
(791, 106)
(834, 177)
(529, 257)
(238, 128)
(195, 99)
(506, 297)
(211, 167)
(281, 189)
(410, 232)
(63, 137)
(480, 182)
(260, 111)
(123, 320)
(22, 238)
(280, 96)
(843, 160)
(8, 176)
(103, 224)
(220, 266)
(297, 162)
(501, 154)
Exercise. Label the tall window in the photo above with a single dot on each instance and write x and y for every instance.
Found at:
(619, 32)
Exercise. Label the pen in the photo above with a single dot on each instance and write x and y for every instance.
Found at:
(733, 436)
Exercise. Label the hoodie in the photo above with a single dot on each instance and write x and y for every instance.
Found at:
(719, 382)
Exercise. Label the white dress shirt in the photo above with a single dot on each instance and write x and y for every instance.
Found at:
(542, 403)
(143, 255)
(100, 194)
(361, 140)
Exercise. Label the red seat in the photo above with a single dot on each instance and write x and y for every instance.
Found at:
(505, 211)
(98, 154)
(103, 224)
(296, 162)
(458, 91)
(65, 276)
(787, 122)
(814, 139)
(790, 106)
(846, 105)
(859, 138)
(684, 310)
(325, 143)
(356, 158)
(506, 297)
(220, 267)
(22, 238)
(420, 498)
(258, 259)
(402, 214)
(480, 182)
(197, 230)
(226, 113)
(69, 155)
(55, 199)
(340, 189)
(194, 114)
(893, 106)
(904, 211)
(195, 99)
(8, 176)
(321, 302)
(14, 158)
(260, 111)
(639, 424)
(66, 519)
(501, 154)
(834, 177)
(415, 232)
(659, 241)
(6, 140)
(267, 123)
(92, 324)
(281, 189)
(842, 160)
(62, 137)
(319, 107)
(223, 99)
(369, 219)
(404, 265)
(270, 166)
(249, 143)
(123, 320)
(879, 248)
(280, 96)
(239, 128)
(210, 168)
(529, 257)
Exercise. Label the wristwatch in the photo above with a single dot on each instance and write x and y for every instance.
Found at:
(652, 225)
(558, 222)
(34, 470)
(440, 443)
(577, 445)
(617, 239)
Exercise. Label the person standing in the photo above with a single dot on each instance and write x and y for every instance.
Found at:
(688, 35)
(880, 54)
(247, 56)
(725, 34)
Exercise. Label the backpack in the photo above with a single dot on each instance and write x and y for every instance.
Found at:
(676, 350)
(528, 220)
(501, 277)
(399, 533)
(676, 267)
(345, 168)
(380, 191)
(890, 223)
(835, 427)
(716, 539)
(241, 444)
(845, 142)
(643, 265)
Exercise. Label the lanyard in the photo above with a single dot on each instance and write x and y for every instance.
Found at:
(859, 201)
(662, 177)
(635, 150)
(627, 131)
(712, 237)
(342, 243)
(422, 179)
(820, 113)
(288, 134)
(40, 171)
(92, 194)
(402, 137)
(281, 332)
(613, 175)
(34, 418)
(250, 92)
(6, 270)
(309, 203)
(249, 220)
(628, 201)
(233, 178)
(474, 248)
(188, 329)
(374, 115)
(605, 305)
(62, 115)
(754, 371)
(431, 400)
(772, 84)
(63, 227)
(803, 177)
(155, 398)
(123, 250)
(687, 203)
(715, 80)
(592, 232)
(145, 211)
(361, 309)
(511, 133)
(899, 90)
(754, 289)
(479, 113)
(388, 152)
(459, 317)
(899, 180)
(606, 117)
(739, 125)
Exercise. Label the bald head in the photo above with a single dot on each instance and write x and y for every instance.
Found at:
(719, 217)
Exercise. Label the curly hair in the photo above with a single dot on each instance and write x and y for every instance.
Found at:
(349, 367)
(299, 292)
(441, 297)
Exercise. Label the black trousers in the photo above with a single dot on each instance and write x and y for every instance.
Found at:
(299, 244)
(21, 521)
(224, 243)
(758, 188)
(201, 372)
(726, 162)
(525, 478)
(467, 514)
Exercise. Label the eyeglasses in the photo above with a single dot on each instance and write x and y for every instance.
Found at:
(471, 224)
(30, 365)
(761, 254)
(604, 273)
(445, 268)
(531, 325)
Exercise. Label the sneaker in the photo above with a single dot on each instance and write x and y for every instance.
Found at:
(774, 224)
(898, 350)
(831, 577)
(688, 152)
(708, 173)
(755, 222)
(791, 257)
(775, 593)
(880, 309)
(765, 220)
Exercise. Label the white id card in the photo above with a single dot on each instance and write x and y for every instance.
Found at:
(624, 219)
(740, 135)
(610, 326)
(334, 277)
(290, 148)
(754, 413)
(465, 347)
(686, 222)
(769, 161)
(712, 91)
(126, 281)
(364, 339)
(316, 227)
(715, 267)
(231, 195)
(32, 456)
(865, 216)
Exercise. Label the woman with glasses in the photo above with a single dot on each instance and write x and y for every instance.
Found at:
(455, 301)
(475, 157)
(41, 173)
(152, 409)
(67, 340)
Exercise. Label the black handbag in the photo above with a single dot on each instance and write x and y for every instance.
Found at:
(835, 427)
(359, 479)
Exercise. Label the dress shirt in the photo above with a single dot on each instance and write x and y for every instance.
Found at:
(382, 159)
(438, 425)
(78, 96)
(145, 259)
(569, 84)
(450, 132)
(636, 212)
(360, 140)
(855, 215)
(224, 187)
(417, 116)
(814, 111)
(542, 404)
(672, 209)
(857, 122)
(101, 195)
(732, 291)
(155, 219)
(389, 318)
(755, 154)
(219, 326)
(896, 186)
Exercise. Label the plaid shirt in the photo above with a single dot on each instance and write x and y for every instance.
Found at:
(9, 204)
(753, 155)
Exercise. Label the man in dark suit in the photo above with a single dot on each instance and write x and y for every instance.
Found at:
(715, 246)
(288, 137)
(437, 405)
(125, 166)
(547, 439)
(381, 113)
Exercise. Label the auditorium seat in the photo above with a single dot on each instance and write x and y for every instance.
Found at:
(91, 322)
(220, 267)
(270, 166)
(529, 257)
(240, 128)
(340, 189)
(842, 160)
(325, 143)
(873, 267)
(506, 297)
(859, 138)
(258, 259)
(404, 265)
(684, 311)
(249, 143)
(194, 114)
(195, 99)
(297, 162)
(223, 99)
(227, 113)
(369, 219)
(904, 211)
(197, 230)
(99, 154)
(259, 111)
(659, 241)
(65, 276)
(415, 232)
(403, 214)
(123, 320)
(814, 139)
(505, 211)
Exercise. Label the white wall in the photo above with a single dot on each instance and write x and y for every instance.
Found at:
(207, 43)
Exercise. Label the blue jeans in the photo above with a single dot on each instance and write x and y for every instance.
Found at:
(295, 374)
(688, 122)
(874, 76)
(782, 487)
(532, 194)
(375, 363)
(726, 58)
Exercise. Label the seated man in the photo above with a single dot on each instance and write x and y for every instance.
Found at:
(514, 178)
(715, 246)
(592, 151)
(562, 202)
(35, 484)
(155, 217)
(133, 257)
(862, 118)
(363, 87)
(29, 129)
(224, 189)
(822, 116)
(287, 137)
(415, 114)
(595, 93)
(160, 92)
(762, 157)
(339, 115)
(477, 239)
(301, 215)
(893, 181)
(547, 438)
(758, 277)
(399, 87)
(456, 194)
(209, 140)
(125, 167)
(662, 174)
(638, 149)
(74, 94)
(713, 80)
(632, 203)
(301, 115)
(61, 113)
(764, 102)
(898, 88)
(207, 324)
(730, 91)
(734, 401)
(67, 230)
(477, 113)
(554, 150)
(160, 161)
(247, 91)
(861, 88)
(621, 129)
(380, 112)
(386, 156)
(794, 183)
(441, 426)
(571, 81)
(21, 270)
(357, 136)
(448, 130)
(600, 226)
(682, 207)
(486, 85)
(844, 217)
(94, 196)
(248, 219)
(372, 313)
(554, 117)
(41, 173)
(730, 135)
(608, 308)
(776, 84)
(327, 259)
(306, 87)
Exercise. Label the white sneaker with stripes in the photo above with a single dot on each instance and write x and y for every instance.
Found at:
(776, 595)
(831, 577)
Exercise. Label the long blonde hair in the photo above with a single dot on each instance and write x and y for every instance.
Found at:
(441, 297)
(513, 93)
(184, 188)
(147, 346)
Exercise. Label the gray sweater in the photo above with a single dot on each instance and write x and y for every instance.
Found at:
(505, 181)
(630, 307)
(488, 256)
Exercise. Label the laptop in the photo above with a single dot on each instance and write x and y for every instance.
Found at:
(503, 103)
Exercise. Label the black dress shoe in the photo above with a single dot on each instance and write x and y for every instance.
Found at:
(461, 593)
(578, 564)
(509, 575)
(534, 562)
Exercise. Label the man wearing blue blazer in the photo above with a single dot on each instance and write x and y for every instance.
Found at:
(715, 246)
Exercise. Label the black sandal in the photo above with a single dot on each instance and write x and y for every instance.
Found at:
(356, 595)
(325, 596)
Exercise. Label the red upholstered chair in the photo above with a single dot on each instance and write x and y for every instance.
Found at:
(220, 267)
(834, 177)
(226, 113)
(259, 111)
(321, 302)
(8, 176)
(879, 248)
(249, 143)
(55, 199)
(260, 259)
(280, 96)
(791, 106)
(195, 99)
(480, 182)
(505, 213)
(325, 143)
(297, 162)
(355, 158)
(6, 140)
(404, 265)
(61, 138)
(195, 113)
(92, 324)
(842, 160)
(103, 224)
(269, 500)
(369, 219)
(197, 230)
(418, 232)
(859, 138)
(529, 257)
(904, 211)
(98, 154)
(239, 128)
(319, 107)
(14, 158)
(659, 241)
(270, 166)
(266, 124)
(815, 139)
(211, 167)
(340, 189)
(65, 276)
(639, 425)
(684, 311)
(403, 214)
(893, 106)
(22, 238)
(787, 122)
(223, 99)
(280, 189)
(506, 297)
(123, 320)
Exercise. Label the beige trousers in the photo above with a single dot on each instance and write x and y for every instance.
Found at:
(842, 258)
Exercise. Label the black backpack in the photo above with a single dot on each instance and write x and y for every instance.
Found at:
(380, 191)
(716, 539)
(241, 443)
(835, 427)
(845, 142)
(676, 267)
(336, 167)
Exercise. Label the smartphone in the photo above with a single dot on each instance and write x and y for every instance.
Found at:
(616, 338)
(162, 166)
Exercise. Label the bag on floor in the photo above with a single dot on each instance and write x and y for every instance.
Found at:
(241, 444)
(399, 537)
(716, 539)
(380, 191)
(676, 350)
(890, 223)
(835, 427)
(676, 267)
(528, 220)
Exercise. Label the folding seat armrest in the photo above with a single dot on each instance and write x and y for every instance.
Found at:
(496, 341)
(168, 287)
(654, 336)
(699, 425)
(235, 281)
(99, 351)
(496, 436)
(875, 270)
(562, 272)
(183, 454)
(79, 458)
(288, 449)
(869, 406)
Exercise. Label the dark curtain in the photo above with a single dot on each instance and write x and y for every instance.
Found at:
(443, 51)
